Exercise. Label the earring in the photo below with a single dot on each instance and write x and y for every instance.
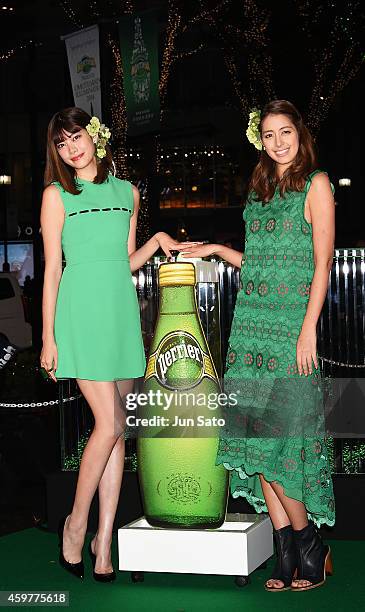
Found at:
(264, 148)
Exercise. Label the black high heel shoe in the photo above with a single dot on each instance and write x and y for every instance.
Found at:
(314, 558)
(287, 560)
(76, 569)
(110, 577)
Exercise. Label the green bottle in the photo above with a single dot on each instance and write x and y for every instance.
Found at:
(181, 485)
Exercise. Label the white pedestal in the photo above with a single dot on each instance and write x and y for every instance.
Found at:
(237, 548)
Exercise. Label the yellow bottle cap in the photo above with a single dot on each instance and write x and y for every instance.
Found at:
(176, 274)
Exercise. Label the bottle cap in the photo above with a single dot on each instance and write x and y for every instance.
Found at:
(193, 260)
(176, 274)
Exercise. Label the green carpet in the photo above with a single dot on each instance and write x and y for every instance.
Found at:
(29, 561)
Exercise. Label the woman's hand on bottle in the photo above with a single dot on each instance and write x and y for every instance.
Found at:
(168, 244)
(49, 358)
(307, 350)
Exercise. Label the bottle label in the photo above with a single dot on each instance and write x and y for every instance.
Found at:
(179, 362)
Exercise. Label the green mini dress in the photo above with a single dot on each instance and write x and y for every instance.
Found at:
(97, 322)
(277, 426)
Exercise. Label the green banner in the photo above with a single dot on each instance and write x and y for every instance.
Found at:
(138, 34)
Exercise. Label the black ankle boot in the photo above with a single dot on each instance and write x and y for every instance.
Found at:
(286, 562)
(314, 558)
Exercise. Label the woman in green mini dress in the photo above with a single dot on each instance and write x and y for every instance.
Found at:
(274, 444)
(91, 325)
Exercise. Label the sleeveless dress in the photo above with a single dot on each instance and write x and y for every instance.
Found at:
(277, 427)
(97, 322)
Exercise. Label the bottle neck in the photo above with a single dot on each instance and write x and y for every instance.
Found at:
(177, 299)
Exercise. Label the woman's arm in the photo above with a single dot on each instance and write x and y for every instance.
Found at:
(231, 255)
(205, 250)
(52, 219)
(322, 214)
(139, 257)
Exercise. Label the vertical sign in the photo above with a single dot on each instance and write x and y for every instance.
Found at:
(84, 65)
(138, 36)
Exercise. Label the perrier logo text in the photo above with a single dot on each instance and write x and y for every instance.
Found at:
(179, 362)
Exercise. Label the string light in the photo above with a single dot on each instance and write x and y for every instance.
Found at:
(71, 14)
(241, 29)
(9, 53)
(339, 58)
(94, 8)
(252, 35)
(180, 55)
(176, 27)
(259, 60)
(144, 225)
(97, 9)
(120, 126)
(173, 25)
(118, 112)
(205, 13)
(128, 6)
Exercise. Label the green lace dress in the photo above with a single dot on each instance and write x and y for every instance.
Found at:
(277, 426)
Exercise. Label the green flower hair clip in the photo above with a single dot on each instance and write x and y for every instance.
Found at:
(100, 135)
(252, 132)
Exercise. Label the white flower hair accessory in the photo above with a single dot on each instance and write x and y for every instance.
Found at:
(100, 135)
(253, 133)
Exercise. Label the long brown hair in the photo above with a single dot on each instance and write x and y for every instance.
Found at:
(70, 120)
(264, 180)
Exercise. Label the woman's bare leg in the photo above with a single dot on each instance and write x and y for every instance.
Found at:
(278, 515)
(109, 425)
(279, 518)
(294, 509)
(109, 490)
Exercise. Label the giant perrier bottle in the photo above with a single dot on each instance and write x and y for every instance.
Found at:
(180, 483)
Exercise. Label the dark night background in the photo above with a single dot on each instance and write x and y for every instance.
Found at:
(279, 50)
(247, 52)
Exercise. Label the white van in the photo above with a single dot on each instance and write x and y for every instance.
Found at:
(13, 322)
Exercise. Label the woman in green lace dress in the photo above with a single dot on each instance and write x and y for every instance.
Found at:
(274, 442)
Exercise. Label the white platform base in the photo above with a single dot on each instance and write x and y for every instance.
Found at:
(237, 548)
